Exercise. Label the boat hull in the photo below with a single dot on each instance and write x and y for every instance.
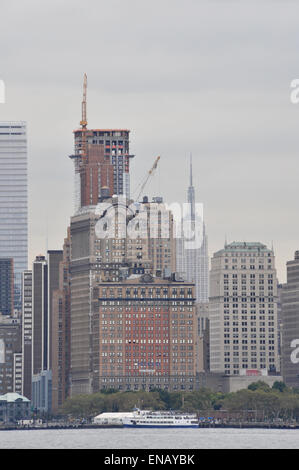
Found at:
(158, 426)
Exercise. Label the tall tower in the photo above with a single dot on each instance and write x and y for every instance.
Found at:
(193, 263)
(191, 193)
(101, 160)
(14, 200)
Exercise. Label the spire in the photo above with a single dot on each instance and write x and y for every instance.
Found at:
(191, 192)
(83, 122)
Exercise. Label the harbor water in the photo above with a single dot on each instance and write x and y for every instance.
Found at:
(151, 439)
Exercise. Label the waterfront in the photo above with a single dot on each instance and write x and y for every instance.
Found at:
(151, 439)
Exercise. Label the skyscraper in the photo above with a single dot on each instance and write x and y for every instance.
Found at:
(14, 200)
(149, 339)
(27, 334)
(193, 263)
(38, 326)
(243, 310)
(101, 161)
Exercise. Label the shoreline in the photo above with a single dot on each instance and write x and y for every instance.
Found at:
(107, 426)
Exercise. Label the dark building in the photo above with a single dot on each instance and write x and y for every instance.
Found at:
(45, 281)
(290, 324)
(6, 286)
(39, 315)
(10, 349)
(60, 342)
(38, 289)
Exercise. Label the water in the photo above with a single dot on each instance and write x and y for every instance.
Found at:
(151, 439)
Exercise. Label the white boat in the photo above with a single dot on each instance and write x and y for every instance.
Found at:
(161, 419)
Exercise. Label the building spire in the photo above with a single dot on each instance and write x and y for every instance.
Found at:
(191, 192)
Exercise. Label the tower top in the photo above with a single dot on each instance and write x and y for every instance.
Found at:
(83, 122)
(191, 192)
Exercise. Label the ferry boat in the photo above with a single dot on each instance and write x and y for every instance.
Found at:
(160, 419)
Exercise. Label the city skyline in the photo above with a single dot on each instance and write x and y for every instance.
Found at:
(223, 93)
(149, 250)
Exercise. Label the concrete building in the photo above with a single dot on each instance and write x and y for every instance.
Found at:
(10, 351)
(61, 346)
(160, 234)
(27, 333)
(290, 324)
(45, 280)
(129, 250)
(14, 200)
(39, 286)
(6, 286)
(95, 173)
(243, 310)
(41, 399)
(113, 144)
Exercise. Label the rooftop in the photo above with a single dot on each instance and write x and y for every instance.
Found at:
(13, 397)
(244, 247)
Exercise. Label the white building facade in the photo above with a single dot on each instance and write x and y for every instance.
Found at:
(243, 310)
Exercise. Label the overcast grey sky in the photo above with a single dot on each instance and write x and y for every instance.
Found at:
(207, 77)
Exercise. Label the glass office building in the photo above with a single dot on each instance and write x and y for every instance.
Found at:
(14, 200)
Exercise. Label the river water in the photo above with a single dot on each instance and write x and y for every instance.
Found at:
(151, 439)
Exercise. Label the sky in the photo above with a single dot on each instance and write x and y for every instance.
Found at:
(208, 77)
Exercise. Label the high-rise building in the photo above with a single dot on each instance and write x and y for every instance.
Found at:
(27, 333)
(193, 263)
(160, 235)
(144, 334)
(6, 286)
(101, 161)
(290, 324)
(39, 286)
(39, 315)
(97, 261)
(243, 310)
(45, 280)
(14, 200)
(61, 345)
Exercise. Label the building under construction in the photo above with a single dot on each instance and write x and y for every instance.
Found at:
(101, 160)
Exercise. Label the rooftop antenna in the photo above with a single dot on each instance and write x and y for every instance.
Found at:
(83, 122)
(47, 233)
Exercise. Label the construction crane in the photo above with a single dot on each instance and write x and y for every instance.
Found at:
(83, 122)
(147, 177)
